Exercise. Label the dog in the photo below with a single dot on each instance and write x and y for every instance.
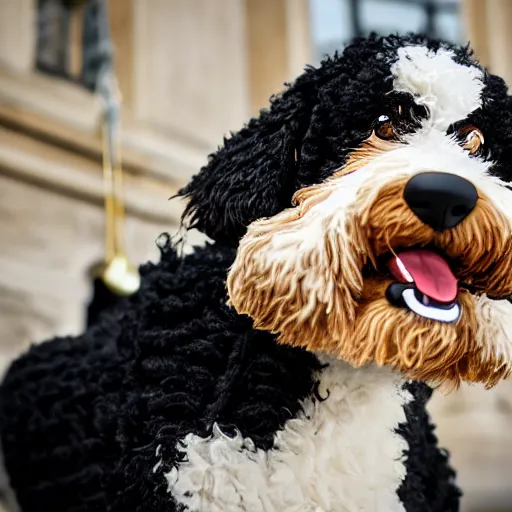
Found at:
(361, 236)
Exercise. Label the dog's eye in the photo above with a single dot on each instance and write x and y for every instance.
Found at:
(472, 139)
(384, 128)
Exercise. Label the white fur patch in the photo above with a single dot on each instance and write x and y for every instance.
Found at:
(450, 91)
(338, 455)
(494, 332)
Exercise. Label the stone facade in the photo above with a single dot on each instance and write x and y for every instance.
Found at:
(177, 105)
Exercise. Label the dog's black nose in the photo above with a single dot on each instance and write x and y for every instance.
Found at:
(440, 200)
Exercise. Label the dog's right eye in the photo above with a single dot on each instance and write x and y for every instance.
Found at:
(384, 129)
(472, 139)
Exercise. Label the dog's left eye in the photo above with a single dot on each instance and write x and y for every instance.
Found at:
(472, 139)
(384, 129)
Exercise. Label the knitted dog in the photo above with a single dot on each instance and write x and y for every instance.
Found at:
(362, 245)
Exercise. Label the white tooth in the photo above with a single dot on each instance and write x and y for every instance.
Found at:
(441, 315)
(404, 270)
(425, 300)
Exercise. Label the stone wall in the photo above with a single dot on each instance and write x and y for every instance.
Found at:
(475, 425)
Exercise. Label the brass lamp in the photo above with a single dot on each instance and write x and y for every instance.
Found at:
(114, 277)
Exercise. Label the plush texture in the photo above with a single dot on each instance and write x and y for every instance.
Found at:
(273, 369)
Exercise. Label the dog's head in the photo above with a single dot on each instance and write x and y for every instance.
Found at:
(374, 211)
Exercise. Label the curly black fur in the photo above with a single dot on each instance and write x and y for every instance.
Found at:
(430, 482)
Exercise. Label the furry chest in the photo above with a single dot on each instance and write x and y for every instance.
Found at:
(340, 454)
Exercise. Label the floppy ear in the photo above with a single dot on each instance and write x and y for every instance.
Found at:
(255, 174)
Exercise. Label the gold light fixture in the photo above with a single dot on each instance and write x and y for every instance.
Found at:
(116, 271)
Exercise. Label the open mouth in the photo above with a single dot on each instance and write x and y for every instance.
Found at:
(425, 285)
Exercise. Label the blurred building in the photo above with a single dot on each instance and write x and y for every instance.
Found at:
(189, 71)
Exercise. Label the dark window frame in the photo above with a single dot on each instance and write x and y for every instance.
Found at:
(431, 8)
(53, 31)
(54, 43)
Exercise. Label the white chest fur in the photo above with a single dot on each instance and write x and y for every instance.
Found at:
(338, 455)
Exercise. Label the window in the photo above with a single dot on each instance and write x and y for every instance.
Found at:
(72, 39)
(336, 22)
(52, 37)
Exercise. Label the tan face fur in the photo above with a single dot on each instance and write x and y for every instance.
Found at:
(312, 274)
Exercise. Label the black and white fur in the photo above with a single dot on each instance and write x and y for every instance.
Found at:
(174, 402)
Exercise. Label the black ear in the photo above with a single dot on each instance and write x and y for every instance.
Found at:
(254, 174)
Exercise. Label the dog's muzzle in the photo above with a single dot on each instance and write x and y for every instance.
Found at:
(425, 283)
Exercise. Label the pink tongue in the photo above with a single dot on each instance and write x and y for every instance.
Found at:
(429, 271)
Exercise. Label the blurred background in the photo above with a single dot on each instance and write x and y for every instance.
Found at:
(188, 72)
